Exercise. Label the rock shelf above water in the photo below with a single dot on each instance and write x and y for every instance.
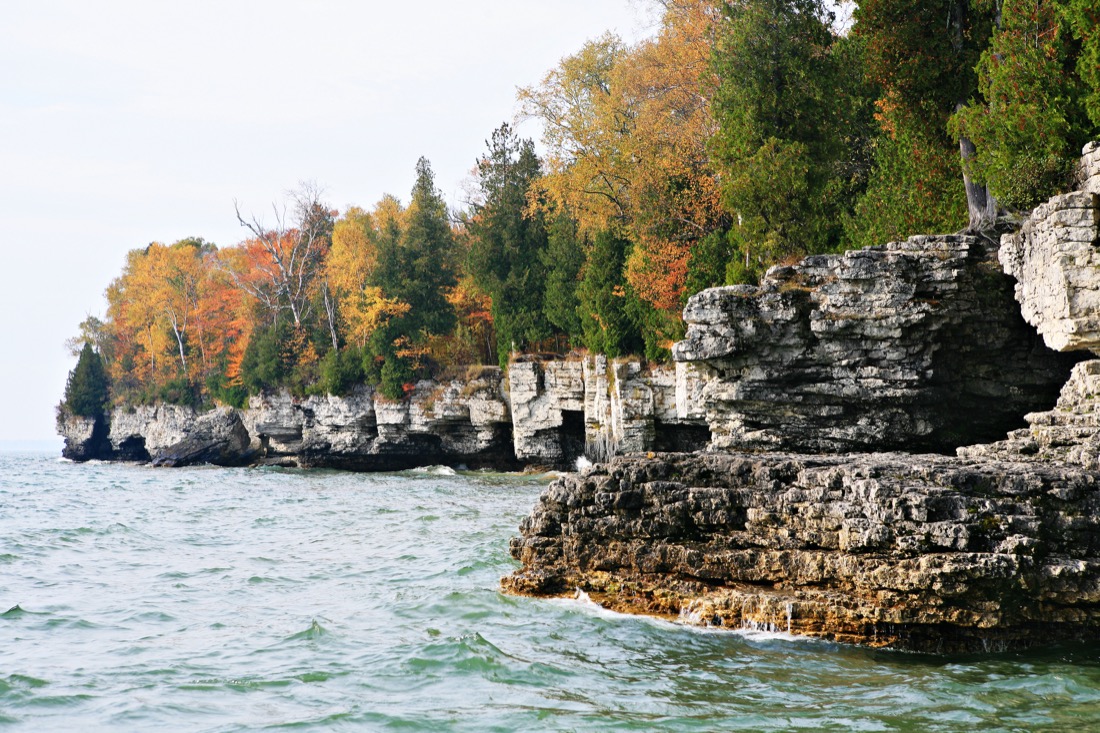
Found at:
(918, 552)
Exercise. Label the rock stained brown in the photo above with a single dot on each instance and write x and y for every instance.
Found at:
(917, 552)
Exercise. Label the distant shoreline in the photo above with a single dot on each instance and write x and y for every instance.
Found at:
(51, 445)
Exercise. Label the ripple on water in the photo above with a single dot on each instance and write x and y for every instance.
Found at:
(233, 599)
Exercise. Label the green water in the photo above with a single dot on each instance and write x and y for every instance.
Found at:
(223, 600)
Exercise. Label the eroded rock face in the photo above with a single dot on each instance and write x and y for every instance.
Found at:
(460, 422)
(599, 407)
(1070, 433)
(174, 435)
(1055, 260)
(85, 437)
(1088, 169)
(913, 345)
(922, 552)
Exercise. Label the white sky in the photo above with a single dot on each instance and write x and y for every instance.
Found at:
(128, 121)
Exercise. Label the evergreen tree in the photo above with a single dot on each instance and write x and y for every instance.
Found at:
(507, 241)
(87, 390)
(1084, 20)
(415, 266)
(783, 116)
(564, 260)
(605, 318)
(922, 54)
(1029, 123)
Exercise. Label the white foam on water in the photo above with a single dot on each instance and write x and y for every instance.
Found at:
(582, 463)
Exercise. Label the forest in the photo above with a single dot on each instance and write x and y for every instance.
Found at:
(741, 134)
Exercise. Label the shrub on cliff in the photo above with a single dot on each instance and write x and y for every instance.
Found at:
(87, 389)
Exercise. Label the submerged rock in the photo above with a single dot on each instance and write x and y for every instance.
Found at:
(927, 553)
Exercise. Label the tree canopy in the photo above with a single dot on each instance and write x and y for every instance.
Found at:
(740, 134)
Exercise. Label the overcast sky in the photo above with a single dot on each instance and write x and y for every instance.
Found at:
(127, 122)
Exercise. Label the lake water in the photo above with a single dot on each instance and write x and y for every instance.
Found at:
(212, 599)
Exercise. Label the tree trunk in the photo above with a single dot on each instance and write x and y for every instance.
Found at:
(979, 201)
(330, 311)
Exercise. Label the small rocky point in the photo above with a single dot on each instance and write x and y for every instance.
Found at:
(920, 552)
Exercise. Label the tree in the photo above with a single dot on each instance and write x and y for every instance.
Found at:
(1084, 19)
(604, 315)
(585, 123)
(627, 131)
(564, 261)
(349, 269)
(278, 266)
(507, 240)
(87, 390)
(922, 54)
(1028, 121)
(781, 145)
(416, 267)
(675, 195)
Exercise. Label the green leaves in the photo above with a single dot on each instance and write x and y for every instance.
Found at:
(1028, 120)
(87, 391)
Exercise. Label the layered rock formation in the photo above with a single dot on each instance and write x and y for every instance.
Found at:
(460, 422)
(913, 345)
(600, 407)
(1054, 260)
(925, 553)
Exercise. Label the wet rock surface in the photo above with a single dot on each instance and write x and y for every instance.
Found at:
(927, 553)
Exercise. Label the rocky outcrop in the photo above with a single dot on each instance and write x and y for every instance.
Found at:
(1054, 259)
(1070, 433)
(599, 407)
(218, 437)
(463, 421)
(85, 437)
(459, 422)
(919, 552)
(547, 403)
(1088, 169)
(175, 435)
(913, 345)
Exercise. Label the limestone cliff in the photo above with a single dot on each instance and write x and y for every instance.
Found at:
(926, 553)
(911, 345)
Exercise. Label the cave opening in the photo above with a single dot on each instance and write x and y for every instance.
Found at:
(571, 436)
(671, 437)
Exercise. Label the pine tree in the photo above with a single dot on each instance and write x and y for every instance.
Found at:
(417, 266)
(564, 260)
(605, 318)
(87, 390)
(1029, 123)
(783, 118)
(507, 241)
